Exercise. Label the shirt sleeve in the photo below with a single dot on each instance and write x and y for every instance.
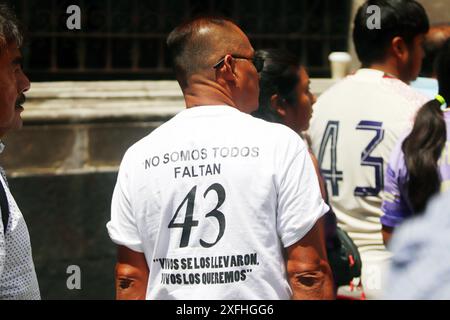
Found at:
(300, 202)
(395, 206)
(122, 227)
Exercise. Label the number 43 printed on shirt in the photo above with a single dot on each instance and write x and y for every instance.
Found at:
(189, 221)
(333, 175)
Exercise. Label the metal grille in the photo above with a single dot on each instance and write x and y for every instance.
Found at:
(125, 39)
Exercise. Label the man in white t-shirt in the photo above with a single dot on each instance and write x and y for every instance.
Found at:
(357, 122)
(215, 204)
(18, 279)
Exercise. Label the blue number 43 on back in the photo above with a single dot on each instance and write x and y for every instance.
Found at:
(333, 175)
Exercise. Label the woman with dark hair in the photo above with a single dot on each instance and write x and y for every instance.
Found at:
(420, 164)
(285, 98)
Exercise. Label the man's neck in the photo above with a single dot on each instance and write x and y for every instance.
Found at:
(206, 93)
(388, 69)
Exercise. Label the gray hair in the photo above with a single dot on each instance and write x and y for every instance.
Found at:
(10, 30)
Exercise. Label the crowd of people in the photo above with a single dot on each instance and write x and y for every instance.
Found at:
(313, 198)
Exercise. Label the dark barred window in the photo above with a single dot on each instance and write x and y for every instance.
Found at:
(125, 39)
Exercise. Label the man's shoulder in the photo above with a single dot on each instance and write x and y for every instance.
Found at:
(337, 89)
(373, 81)
(346, 93)
(162, 133)
(241, 125)
(405, 92)
(237, 122)
(272, 134)
(267, 125)
(280, 133)
(145, 143)
(388, 95)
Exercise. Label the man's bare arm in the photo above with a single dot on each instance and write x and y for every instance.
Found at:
(387, 234)
(308, 270)
(131, 274)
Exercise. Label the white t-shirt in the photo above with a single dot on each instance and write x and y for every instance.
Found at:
(211, 197)
(18, 279)
(356, 124)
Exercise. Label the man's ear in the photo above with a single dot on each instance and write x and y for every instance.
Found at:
(400, 49)
(276, 104)
(227, 69)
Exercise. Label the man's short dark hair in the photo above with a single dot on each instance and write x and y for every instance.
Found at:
(399, 18)
(10, 30)
(190, 51)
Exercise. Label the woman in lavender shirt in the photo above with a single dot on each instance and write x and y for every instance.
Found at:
(419, 166)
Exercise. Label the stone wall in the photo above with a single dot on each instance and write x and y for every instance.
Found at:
(73, 127)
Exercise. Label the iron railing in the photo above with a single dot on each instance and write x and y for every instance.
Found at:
(125, 39)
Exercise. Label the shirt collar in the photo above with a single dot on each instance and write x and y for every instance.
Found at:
(369, 73)
(208, 110)
(373, 75)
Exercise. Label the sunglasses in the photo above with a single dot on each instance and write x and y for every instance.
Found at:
(258, 62)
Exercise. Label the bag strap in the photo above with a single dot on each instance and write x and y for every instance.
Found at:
(4, 206)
